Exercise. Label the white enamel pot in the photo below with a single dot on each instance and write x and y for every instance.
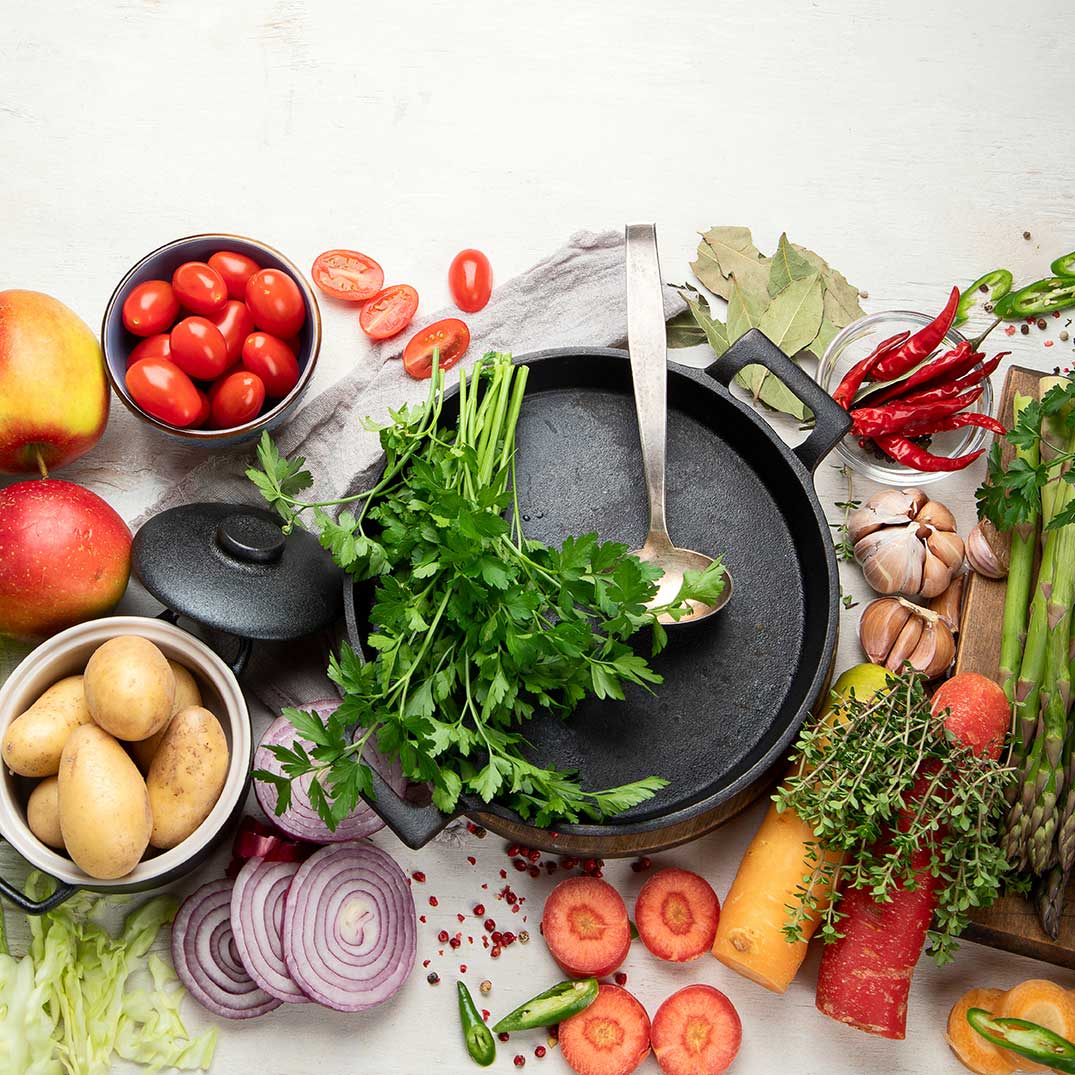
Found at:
(66, 654)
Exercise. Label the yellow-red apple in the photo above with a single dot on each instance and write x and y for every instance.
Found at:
(53, 389)
(65, 557)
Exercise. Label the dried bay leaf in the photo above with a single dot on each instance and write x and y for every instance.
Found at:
(825, 335)
(715, 332)
(841, 298)
(725, 252)
(786, 266)
(683, 331)
(744, 311)
(793, 318)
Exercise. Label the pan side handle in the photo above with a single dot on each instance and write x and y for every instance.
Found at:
(831, 421)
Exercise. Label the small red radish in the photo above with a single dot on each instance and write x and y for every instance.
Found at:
(610, 1037)
(586, 927)
(696, 1032)
(676, 915)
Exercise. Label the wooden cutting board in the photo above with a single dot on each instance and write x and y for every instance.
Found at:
(1011, 923)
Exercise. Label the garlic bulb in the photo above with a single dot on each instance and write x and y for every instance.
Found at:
(906, 543)
(893, 630)
(988, 550)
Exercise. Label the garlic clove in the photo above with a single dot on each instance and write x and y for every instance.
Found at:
(892, 559)
(889, 507)
(947, 546)
(949, 604)
(935, 514)
(879, 627)
(988, 551)
(935, 650)
(906, 643)
(935, 577)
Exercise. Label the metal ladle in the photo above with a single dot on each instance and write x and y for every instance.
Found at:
(649, 372)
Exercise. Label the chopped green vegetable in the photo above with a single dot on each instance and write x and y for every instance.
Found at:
(68, 1003)
(475, 627)
(1025, 1039)
(476, 1034)
(997, 283)
(551, 1007)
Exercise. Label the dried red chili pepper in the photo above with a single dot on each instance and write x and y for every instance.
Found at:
(905, 451)
(897, 416)
(852, 382)
(920, 344)
(956, 421)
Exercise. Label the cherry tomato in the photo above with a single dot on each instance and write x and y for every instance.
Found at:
(150, 308)
(236, 399)
(470, 277)
(163, 390)
(276, 302)
(273, 361)
(347, 275)
(235, 323)
(389, 311)
(235, 269)
(203, 411)
(200, 288)
(158, 346)
(198, 348)
(451, 336)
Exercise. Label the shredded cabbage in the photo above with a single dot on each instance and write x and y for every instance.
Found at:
(69, 1003)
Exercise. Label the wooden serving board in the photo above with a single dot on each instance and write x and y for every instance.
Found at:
(1011, 923)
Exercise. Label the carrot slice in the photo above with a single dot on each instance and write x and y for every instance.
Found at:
(676, 915)
(696, 1032)
(610, 1037)
(972, 1050)
(1045, 1003)
(586, 927)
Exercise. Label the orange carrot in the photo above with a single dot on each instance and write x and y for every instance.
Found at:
(750, 935)
(970, 1047)
(1045, 1003)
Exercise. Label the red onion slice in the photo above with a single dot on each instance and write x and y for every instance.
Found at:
(350, 929)
(206, 959)
(257, 919)
(300, 819)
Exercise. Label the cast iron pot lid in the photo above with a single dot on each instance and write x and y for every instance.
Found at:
(231, 567)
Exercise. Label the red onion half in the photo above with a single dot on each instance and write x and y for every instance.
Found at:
(206, 959)
(257, 920)
(350, 930)
(300, 819)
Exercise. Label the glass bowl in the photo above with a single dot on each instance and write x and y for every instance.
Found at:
(854, 343)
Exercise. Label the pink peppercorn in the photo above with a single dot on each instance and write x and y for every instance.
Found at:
(539, 1051)
(519, 1061)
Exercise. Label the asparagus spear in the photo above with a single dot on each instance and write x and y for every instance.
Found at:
(1049, 899)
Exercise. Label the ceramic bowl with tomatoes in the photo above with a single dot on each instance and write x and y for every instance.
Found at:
(212, 338)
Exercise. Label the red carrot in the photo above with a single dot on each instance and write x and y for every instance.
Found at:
(865, 976)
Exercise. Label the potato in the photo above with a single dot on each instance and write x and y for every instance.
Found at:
(130, 687)
(43, 812)
(186, 693)
(34, 740)
(187, 775)
(104, 806)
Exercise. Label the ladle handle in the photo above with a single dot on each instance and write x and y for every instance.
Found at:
(649, 362)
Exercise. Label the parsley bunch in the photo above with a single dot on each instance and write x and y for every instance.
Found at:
(1011, 496)
(887, 787)
(476, 629)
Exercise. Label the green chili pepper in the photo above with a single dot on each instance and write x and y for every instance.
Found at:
(1064, 266)
(552, 1006)
(1041, 297)
(1027, 1039)
(479, 1038)
(998, 283)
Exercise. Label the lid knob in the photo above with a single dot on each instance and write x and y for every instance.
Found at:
(250, 538)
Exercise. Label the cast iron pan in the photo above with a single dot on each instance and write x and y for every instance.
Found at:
(736, 687)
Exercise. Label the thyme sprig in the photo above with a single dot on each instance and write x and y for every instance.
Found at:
(896, 797)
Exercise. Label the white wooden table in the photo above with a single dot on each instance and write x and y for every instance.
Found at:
(912, 144)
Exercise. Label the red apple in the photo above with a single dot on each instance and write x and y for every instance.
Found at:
(65, 557)
(53, 389)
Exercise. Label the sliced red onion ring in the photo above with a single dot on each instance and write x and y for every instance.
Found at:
(300, 819)
(350, 930)
(206, 959)
(257, 919)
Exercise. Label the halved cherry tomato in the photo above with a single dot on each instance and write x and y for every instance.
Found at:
(347, 275)
(158, 346)
(236, 399)
(150, 308)
(389, 311)
(276, 302)
(470, 277)
(235, 269)
(200, 288)
(273, 361)
(235, 323)
(163, 390)
(198, 348)
(451, 336)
